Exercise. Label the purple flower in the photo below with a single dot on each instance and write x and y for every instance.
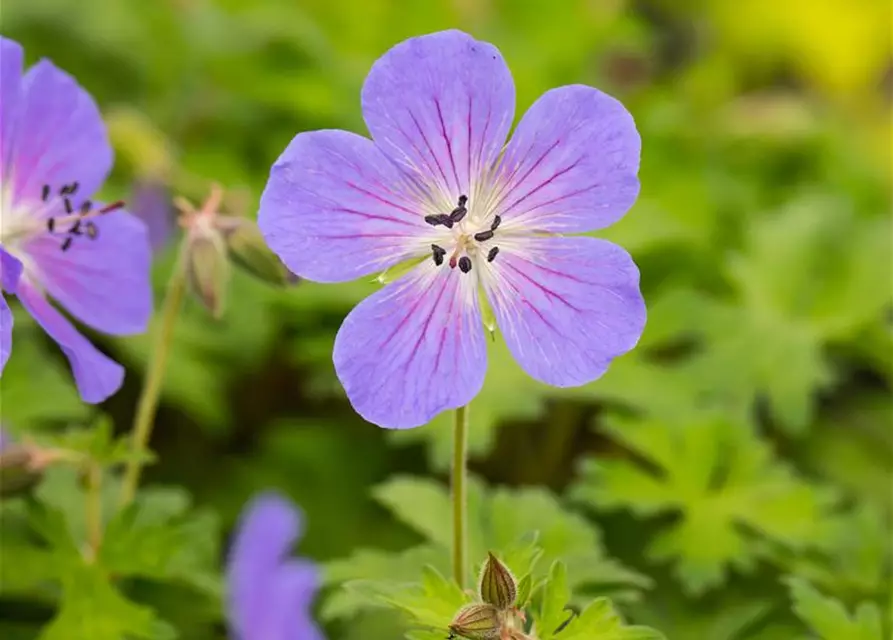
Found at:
(485, 221)
(92, 259)
(269, 593)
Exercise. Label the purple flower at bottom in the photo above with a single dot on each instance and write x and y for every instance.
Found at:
(484, 220)
(270, 594)
(93, 259)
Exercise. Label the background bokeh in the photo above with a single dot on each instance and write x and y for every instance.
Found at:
(748, 439)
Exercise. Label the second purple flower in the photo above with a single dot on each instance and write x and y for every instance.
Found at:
(438, 185)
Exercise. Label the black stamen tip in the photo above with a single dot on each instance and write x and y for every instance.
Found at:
(446, 221)
(483, 236)
(492, 255)
(465, 264)
(85, 207)
(462, 200)
(66, 244)
(45, 192)
(92, 230)
(51, 225)
(438, 253)
(73, 187)
(438, 259)
(75, 228)
(496, 222)
(433, 220)
(68, 208)
(458, 213)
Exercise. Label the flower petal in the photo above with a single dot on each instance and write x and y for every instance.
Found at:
(441, 106)
(10, 271)
(288, 609)
(571, 164)
(5, 332)
(11, 56)
(59, 137)
(97, 376)
(567, 306)
(413, 349)
(104, 281)
(335, 208)
(268, 528)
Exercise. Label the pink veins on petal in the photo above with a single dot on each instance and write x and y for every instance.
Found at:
(438, 188)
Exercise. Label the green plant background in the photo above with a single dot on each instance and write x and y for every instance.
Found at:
(730, 479)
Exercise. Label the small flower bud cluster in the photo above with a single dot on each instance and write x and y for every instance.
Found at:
(214, 241)
(499, 615)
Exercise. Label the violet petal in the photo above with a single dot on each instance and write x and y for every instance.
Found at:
(97, 376)
(413, 349)
(441, 106)
(567, 306)
(571, 165)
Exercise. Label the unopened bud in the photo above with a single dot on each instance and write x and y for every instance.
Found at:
(18, 472)
(498, 586)
(207, 269)
(249, 251)
(477, 622)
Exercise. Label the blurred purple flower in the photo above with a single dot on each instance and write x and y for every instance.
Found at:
(438, 183)
(270, 594)
(92, 259)
(150, 201)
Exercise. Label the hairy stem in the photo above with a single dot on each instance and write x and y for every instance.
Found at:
(148, 401)
(460, 500)
(94, 508)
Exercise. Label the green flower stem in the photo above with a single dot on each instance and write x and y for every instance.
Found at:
(93, 506)
(148, 401)
(460, 499)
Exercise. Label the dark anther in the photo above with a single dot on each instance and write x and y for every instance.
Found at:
(439, 253)
(68, 208)
(457, 214)
(462, 200)
(483, 236)
(68, 189)
(92, 230)
(445, 220)
(118, 204)
(496, 221)
(45, 193)
(86, 205)
(433, 220)
(465, 264)
(66, 244)
(492, 255)
(75, 228)
(51, 224)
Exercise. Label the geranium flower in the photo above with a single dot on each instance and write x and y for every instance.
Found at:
(92, 259)
(270, 594)
(485, 221)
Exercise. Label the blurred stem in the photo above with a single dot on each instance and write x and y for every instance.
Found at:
(94, 507)
(460, 474)
(148, 401)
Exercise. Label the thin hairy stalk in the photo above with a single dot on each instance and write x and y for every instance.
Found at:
(151, 392)
(460, 498)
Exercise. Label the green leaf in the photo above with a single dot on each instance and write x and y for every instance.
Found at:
(829, 618)
(91, 609)
(161, 537)
(718, 477)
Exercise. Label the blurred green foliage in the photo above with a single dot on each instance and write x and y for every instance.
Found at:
(730, 479)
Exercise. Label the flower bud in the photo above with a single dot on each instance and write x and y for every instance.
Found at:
(498, 586)
(477, 622)
(18, 474)
(207, 269)
(248, 250)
